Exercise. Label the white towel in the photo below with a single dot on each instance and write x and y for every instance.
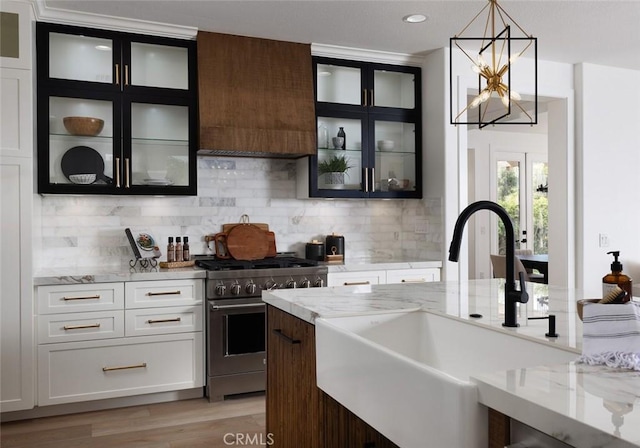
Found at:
(611, 335)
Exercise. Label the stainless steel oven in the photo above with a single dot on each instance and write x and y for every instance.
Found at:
(236, 354)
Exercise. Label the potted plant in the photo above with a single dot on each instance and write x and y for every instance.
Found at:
(334, 169)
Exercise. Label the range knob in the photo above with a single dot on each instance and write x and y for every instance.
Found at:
(306, 283)
(236, 288)
(291, 284)
(270, 284)
(319, 283)
(221, 289)
(250, 287)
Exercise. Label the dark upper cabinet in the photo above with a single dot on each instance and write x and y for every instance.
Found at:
(144, 91)
(378, 107)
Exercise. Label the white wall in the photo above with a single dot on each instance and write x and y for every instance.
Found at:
(608, 172)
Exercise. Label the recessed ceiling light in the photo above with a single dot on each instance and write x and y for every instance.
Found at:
(414, 18)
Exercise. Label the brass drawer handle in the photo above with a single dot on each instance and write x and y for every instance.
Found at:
(97, 296)
(159, 321)
(417, 280)
(78, 327)
(135, 366)
(356, 283)
(117, 74)
(164, 293)
(126, 75)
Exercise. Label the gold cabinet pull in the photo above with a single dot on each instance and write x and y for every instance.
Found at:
(126, 75)
(126, 173)
(117, 74)
(159, 321)
(78, 327)
(135, 366)
(372, 99)
(415, 280)
(97, 296)
(163, 293)
(117, 172)
(364, 95)
(373, 180)
(356, 283)
(366, 180)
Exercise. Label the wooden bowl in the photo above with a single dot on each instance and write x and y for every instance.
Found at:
(582, 302)
(87, 126)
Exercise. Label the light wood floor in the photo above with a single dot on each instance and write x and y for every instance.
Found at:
(179, 424)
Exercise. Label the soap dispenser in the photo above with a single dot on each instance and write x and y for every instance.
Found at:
(617, 278)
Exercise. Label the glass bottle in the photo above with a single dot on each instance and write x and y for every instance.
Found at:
(344, 137)
(171, 251)
(186, 256)
(179, 252)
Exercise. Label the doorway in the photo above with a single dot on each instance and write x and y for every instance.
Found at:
(519, 184)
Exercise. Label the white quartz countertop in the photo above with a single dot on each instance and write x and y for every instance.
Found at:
(566, 401)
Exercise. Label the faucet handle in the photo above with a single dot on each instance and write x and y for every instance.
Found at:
(523, 297)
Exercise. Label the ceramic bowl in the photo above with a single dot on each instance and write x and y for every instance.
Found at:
(157, 174)
(87, 126)
(82, 179)
(385, 145)
(581, 303)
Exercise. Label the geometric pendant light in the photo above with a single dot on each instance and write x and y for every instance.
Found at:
(505, 59)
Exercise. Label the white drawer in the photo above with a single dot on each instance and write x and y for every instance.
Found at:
(148, 321)
(164, 293)
(413, 275)
(356, 278)
(80, 298)
(82, 371)
(80, 326)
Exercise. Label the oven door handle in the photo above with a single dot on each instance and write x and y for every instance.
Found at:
(241, 305)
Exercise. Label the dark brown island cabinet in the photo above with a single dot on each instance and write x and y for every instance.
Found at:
(299, 414)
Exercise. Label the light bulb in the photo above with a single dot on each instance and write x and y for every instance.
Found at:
(515, 95)
(484, 95)
(481, 62)
(475, 69)
(505, 100)
(476, 101)
(515, 57)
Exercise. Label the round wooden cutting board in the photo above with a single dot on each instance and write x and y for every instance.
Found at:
(247, 242)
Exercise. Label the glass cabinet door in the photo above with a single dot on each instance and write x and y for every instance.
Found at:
(339, 158)
(159, 145)
(81, 58)
(160, 66)
(81, 142)
(395, 156)
(339, 84)
(394, 89)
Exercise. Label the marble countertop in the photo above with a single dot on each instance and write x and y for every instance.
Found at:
(98, 274)
(106, 275)
(566, 401)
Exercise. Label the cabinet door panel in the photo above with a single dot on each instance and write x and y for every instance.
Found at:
(357, 278)
(81, 58)
(80, 298)
(339, 84)
(394, 89)
(164, 293)
(70, 327)
(159, 66)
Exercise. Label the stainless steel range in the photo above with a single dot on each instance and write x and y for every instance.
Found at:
(236, 317)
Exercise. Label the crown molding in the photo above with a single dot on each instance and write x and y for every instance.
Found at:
(358, 54)
(44, 13)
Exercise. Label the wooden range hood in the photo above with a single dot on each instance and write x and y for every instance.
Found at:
(255, 97)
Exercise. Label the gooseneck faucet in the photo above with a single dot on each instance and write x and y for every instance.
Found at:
(511, 295)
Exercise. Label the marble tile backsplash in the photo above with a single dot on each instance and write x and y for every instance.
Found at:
(75, 232)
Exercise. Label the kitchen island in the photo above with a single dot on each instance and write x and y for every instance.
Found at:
(584, 406)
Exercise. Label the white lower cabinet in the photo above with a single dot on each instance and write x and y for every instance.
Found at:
(356, 278)
(420, 275)
(81, 371)
(383, 277)
(109, 340)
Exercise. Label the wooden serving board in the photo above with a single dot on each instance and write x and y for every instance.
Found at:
(247, 242)
(227, 227)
